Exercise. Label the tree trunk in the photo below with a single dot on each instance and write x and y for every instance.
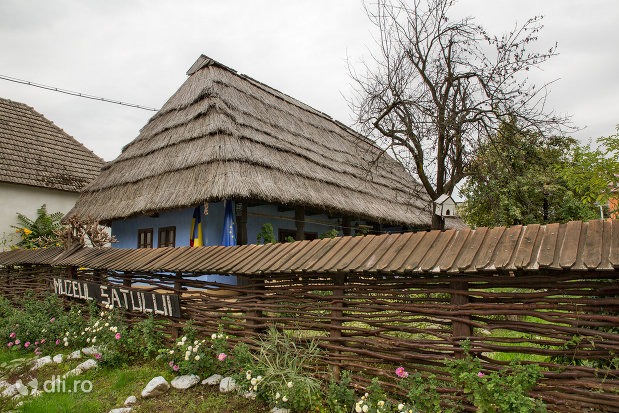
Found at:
(438, 222)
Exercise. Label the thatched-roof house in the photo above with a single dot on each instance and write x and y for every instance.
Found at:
(224, 135)
(39, 163)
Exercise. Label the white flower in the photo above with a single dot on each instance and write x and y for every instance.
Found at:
(65, 339)
(277, 395)
(220, 335)
(365, 408)
(67, 334)
(381, 403)
(171, 351)
(184, 339)
(253, 382)
(248, 376)
(82, 333)
(195, 343)
(259, 378)
(186, 358)
(289, 384)
(107, 324)
(197, 358)
(284, 399)
(213, 336)
(189, 348)
(400, 406)
(366, 395)
(94, 339)
(66, 344)
(358, 409)
(88, 340)
(179, 343)
(195, 349)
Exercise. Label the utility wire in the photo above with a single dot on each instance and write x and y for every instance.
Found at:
(72, 93)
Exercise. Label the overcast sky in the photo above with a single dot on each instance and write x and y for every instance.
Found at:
(139, 51)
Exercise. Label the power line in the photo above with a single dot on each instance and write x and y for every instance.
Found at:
(72, 93)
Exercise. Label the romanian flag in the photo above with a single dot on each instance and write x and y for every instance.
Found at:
(228, 237)
(195, 239)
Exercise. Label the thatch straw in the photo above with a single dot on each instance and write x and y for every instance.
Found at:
(226, 136)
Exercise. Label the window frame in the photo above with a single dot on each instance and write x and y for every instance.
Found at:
(166, 231)
(146, 232)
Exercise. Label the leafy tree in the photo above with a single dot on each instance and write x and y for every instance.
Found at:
(41, 232)
(438, 87)
(594, 172)
(513, 180)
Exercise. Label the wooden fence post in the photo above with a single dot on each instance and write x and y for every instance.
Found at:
(178, 289)
(256, 286)
(460, 329)
(337, 313)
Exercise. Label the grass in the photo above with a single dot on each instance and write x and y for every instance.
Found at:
(112, 386)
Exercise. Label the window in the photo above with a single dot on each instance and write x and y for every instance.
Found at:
(145, 238)
(167, 237)
(285, 233)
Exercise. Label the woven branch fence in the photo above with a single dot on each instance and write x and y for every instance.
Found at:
(567, 322)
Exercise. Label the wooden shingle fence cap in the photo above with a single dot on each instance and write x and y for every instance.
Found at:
(577, 246)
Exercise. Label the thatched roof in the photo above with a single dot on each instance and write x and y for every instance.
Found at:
(34, 151)
(224, 135)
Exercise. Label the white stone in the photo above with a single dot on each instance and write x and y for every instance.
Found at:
(58, 358)
(185, 382)
(121, 410)
(131, 400)
(250, 395)
(90, 351)
(227, 385)
(155, 387)
(279, 410)
(82, 367)
(4, 384)
(38, 363)
(75, 355)
(21, 388)
(9, 391)
(213, 380)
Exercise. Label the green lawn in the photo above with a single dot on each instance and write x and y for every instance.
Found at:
(112, 386)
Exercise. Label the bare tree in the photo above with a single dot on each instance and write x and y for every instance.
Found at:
(439, 87)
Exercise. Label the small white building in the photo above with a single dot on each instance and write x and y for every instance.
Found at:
(39, 164)
(445, 206)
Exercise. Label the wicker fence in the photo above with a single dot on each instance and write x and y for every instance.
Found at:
(548, 295)
(567, 323)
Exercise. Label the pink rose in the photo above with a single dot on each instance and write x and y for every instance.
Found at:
(12, 335)
(222, 356)
(10, 344)
(36, 343)
(400, 372)
(27, 344)
(171, 364)
(57, 341)
(117, 336)
(480, 374)
(17, 342)
(42, 341)
(52, 320)
(98, 356)
(175, 368)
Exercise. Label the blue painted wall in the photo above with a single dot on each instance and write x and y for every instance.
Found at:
(126, 231)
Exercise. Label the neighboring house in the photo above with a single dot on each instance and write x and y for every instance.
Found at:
(39, 164)
(225, 136)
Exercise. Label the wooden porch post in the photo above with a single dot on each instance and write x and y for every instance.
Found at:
(241, 219)
(299, 220)
(178, 289)
(346, 226)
